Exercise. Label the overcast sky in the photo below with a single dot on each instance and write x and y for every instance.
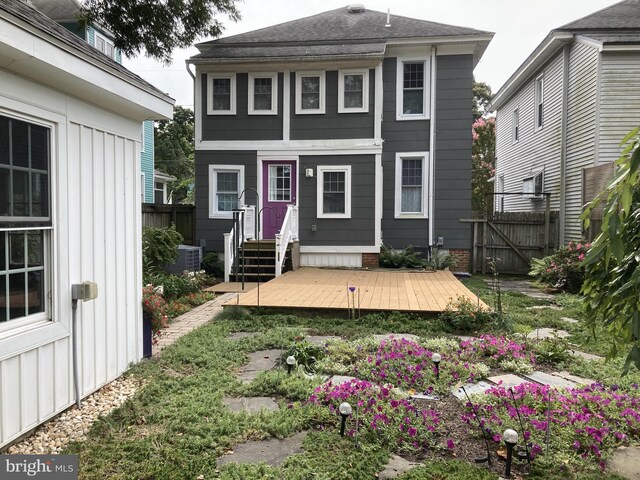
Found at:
(518, 26)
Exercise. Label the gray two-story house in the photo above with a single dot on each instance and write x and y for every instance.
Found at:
(346, 130)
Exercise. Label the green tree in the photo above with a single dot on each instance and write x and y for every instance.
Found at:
(483, 164)
(612, 273)
(174, 152)
(158, 27)
(481, 98)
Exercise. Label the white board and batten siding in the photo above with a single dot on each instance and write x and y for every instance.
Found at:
(619, 101)
(96, 236)
(350, 260)
(536, 149)
(581, 131)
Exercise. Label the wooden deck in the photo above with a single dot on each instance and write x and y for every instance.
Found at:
(376, 290)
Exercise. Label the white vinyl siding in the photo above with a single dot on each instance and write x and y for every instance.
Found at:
(581, 120)
(532, 152)
(619, 101)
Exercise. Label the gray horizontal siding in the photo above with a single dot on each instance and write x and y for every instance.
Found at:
(210, 231)
(357, 230)
(241, 126)
(452, 195)
(332, 125)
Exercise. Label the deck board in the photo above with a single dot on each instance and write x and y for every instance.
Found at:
(379, 290)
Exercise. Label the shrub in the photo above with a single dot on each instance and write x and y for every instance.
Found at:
(154, 306)
(552, 350)
(463, 316)
(441, 260)
(212, 265)
(159, 247)
(407, 258)
(563, 269)
(306, 355)
(174, 286)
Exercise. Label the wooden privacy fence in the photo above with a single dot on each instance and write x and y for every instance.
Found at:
(182, 216)
(514, 238)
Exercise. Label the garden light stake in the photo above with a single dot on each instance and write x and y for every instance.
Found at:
(515, 404)
(484, 436)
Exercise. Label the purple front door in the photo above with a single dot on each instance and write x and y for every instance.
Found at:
(279, 189)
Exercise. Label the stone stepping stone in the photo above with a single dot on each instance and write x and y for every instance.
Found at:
(250, 404)
(569, 320)
(507, 381)
(260, 361)
(273, 451)
(521, 286)
(241, 335)
(397, 466)
(321, 340)
(396, 336)
(586, 356)
(421, 396)
(542, 333)
(625, 462)
(542, 307)
(471, 389)
(551, 380)
(340, 379)
(574, 378)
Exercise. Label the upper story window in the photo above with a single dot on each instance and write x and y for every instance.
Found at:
(263, 94)
(221, 89)
(353, 91)
(105, 45)
(25, 221)
(412, 92)
(226, 182)
(310, 92)
(539, 102)
(516, 125)
(411, 185)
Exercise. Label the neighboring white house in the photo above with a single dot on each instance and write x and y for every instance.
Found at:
(563, 113)
(69, 212)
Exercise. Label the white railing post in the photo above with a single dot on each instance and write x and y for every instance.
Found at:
(250, 222)
(228, 254)
(295, 223)
(279, 255)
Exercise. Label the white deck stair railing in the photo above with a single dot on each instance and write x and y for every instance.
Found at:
(288, 233)
(246, 231)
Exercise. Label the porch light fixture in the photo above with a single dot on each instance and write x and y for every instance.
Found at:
(436, 358)
(510, 438)
(291, 361)
(345, 411)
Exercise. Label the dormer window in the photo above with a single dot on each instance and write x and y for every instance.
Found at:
(105, 45)
(263, 94)
(221, 94)
(310, 92)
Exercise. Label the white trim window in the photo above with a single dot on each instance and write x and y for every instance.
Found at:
(539, 102)
(221, 94)
(533, 186)
(105, 45)
(516, 126)
(263, 94)
(334, 191)
(226, 182)
(310, 92)
(353, 91)
(25, 222)
(413, 88)
(411, 185)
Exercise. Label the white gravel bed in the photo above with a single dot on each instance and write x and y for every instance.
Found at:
(74, 424)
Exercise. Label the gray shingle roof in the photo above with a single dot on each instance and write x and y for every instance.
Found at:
(340, 27)
(38, 20)
(615, 39)
(58, 10)
(625, 14)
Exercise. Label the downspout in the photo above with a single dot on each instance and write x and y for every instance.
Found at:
(563, 143)
(432, 143)
(74, 346)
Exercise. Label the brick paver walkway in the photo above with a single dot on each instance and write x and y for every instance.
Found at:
(191, 320)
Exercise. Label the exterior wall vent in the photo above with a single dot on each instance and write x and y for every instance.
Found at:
(355, 8)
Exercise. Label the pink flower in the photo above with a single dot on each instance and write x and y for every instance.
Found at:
(450, 444)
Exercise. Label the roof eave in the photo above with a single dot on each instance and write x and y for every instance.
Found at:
(549, 47)
(282, 59)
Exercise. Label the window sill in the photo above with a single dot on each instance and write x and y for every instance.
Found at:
(404, 118)
(262, 112)
(410, 216)
(343, 216)
(353, 110)
(310, 112)
(220, 112)
(227, 216)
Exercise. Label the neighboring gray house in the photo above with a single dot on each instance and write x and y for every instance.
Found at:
(563, 113)
(355, 121)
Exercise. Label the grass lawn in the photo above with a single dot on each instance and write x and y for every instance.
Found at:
(178, 426)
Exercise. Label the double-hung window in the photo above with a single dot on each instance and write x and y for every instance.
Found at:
(353, 91)
(105, 45)
(25, 221)
(221, 94)
(539, 102)
(310, 92)
(412, 91)
(411, 185)
(334, 191)
(263, 94)
(226, 182)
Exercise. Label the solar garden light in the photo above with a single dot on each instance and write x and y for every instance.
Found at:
(345, 410)
(436, 358)
(291, 361)
(510, 438)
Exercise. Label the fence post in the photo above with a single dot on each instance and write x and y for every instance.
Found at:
(547, 224)
(474, 251)
(483, 260)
